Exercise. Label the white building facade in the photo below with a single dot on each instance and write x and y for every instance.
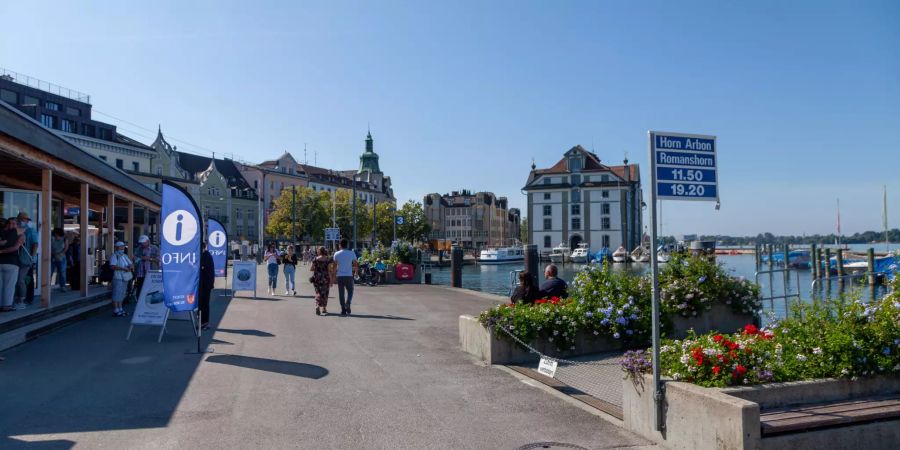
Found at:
(580, 200)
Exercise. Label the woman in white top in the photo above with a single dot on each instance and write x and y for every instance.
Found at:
(271, 260)
(122, 266)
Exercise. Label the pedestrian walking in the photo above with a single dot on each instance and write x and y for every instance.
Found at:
(58, 260)
(146, 258)
(321, 279)
(122, 267)
(207, 281)
(25, 286)
(290, 267)
(347, 267)
(271, 259)
(10, 243)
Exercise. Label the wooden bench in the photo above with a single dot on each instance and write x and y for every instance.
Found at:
(824, 415)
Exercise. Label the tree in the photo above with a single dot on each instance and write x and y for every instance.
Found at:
(415, 226)
(523, 231)
(310, 209)
(384, 217)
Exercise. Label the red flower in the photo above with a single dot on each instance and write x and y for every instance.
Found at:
(739, 371)
(540, 302)
(751, 329)
(716, 370)
(717, 337)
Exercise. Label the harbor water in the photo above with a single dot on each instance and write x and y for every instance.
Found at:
(496, 279)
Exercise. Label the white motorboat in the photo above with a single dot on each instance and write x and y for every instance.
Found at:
(620, 255)
(501, 255)
(663, 256)
(560, 254)
(581, 254)
(640, 254)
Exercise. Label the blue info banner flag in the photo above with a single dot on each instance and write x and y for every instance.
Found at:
(179, 248)
(217, 243)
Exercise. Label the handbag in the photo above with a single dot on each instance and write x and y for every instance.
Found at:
(25, 259)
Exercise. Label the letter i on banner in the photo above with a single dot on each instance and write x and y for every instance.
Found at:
(180, 248)
(217, 243)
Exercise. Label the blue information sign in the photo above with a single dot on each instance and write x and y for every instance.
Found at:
(684, 166)
(398, 220)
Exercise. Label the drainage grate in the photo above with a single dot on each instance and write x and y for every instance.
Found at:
(551, 445)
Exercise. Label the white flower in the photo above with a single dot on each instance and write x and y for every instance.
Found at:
(817, 351)
(801, 357)
(676, 376)
(684, 358)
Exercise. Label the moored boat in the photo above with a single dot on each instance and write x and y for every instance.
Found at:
(640, 254)
(501, 255)
(581, 254)
(560, 254)
(620, 255)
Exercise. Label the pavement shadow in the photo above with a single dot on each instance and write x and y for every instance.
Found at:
(271, 365)
(38, 445)
(387, 317)
(246, 332)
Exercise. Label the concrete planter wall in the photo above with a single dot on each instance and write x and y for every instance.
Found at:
(710, 418)
(719, 318)
(477, 340)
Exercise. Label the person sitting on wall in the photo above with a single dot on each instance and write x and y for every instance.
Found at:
(526, 291)
(379, 270)
(553, 286)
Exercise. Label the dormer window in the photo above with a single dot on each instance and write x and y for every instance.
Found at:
(575, 164)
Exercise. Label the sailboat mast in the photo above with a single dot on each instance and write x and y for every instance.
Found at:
(887, 241)
(839, 222)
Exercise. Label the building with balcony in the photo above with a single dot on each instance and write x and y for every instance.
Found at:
(472, 221)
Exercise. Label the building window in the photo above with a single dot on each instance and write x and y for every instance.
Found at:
(606, 240)
(576, 195)
(119, 163)
(576, 210)
(546, 196)
(135, 166)
(9, 96)
(575, 165)
(546, 180)
(67, 126)
(239, 230)
(604, 194)
(576, 223)
(31, 101)
(48, 121)
(548, 210)
(548, 224)
(604, 178)
(547, 242)
(73, 111)
(159, 170)
(576, 180)
(604, 208)
(51, 106)
(103, 157)
(604, 223)
(88, 130)
(105, 134)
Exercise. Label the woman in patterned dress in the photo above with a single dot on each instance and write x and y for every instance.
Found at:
(321, 279)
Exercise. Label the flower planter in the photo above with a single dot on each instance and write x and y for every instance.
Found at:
(720, 317)
(477, 340)
(729, 418)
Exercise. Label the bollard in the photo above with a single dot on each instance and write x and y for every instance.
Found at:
(456, 263)
(757, 256)
(769, 252)
(827, 263)
(532, 261)
(787, 253)
(870, 257)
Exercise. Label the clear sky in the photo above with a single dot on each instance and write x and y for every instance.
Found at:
(804, 96)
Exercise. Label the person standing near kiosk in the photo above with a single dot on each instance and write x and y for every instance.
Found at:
(207, 281)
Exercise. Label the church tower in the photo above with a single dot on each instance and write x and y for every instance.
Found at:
(368, 162)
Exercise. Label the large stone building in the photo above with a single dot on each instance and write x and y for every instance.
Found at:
(473, 221)
(581, 200)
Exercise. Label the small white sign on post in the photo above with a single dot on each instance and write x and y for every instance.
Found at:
(332, 234)
(547, 367)
(151, 307)
(243, 276)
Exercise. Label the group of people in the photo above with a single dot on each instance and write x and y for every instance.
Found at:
(527, 290)
(339, 269)
(18, 250)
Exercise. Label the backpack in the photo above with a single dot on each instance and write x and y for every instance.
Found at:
(106, 272)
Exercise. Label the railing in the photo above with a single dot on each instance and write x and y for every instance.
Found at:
(16, 77)
(786, 294)
(514, 280)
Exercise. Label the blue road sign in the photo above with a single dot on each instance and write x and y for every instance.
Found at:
(398, 220)
(332, 234)
(684, 166)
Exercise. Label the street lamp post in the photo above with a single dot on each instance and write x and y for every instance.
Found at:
(353, 181)
(293, 215)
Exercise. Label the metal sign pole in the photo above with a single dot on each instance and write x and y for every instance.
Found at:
(654, 264)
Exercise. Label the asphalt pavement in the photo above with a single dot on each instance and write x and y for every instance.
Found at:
(390, 376)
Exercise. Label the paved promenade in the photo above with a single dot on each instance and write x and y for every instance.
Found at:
(391, 376)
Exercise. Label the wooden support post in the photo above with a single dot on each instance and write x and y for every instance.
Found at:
(46, 225)
(757, 257)
(787, 253)
(840, 264)
(129, 229)
(769, 252)
(814, 267)
(870, 257)
(827, 263)
(85, 238)
(146, 228)
(110, 224)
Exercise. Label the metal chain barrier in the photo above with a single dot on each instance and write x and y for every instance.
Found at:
(599, 375)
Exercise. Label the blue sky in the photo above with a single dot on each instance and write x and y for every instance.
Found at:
(804, 96)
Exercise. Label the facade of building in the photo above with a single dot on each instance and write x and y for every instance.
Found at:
(68, 113)
(473, 221)
(581, 200)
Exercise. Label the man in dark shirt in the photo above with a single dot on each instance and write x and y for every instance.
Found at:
(207, 280)
(553, 286)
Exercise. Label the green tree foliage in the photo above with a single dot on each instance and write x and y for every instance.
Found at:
(523, 231)
(310, 209)
(415, 226)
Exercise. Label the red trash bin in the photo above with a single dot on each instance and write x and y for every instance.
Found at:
(404, 272)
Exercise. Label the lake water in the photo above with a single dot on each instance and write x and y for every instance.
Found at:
(495, 279)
